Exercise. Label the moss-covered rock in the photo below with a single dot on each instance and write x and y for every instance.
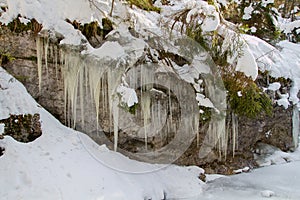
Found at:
(23, 128)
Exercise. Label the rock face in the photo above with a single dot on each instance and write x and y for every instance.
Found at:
(22, 48)
(275, 130)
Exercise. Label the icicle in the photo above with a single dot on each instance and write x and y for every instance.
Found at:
(71, 70)
(81, 94)
(295, 120)
(170, 109)
(216, 135)
(55, 52)
(234, 123)
(46, 45)
(94, 75)
(145, 104)
(115, 111)
(39, 54)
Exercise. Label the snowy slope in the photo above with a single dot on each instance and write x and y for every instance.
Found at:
(65, 164)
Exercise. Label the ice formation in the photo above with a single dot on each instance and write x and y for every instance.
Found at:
(295, 121)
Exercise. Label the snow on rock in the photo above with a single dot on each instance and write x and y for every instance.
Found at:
(110, 50)
(223, 2)
(242, 54)
(247, 12)
(267, 193)
(266, 2)
(2, 128)
(128, 95)
(274, 86)
(290, 26)
(281, 62)
(54, 17)
(253, 29)
(283, 101)
(65, 164)
(211, 20)
(203, 101)
(246, 63)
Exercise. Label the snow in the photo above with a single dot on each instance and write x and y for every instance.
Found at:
(266, 2)
(247, 12)
(274, 86)
(223, 2)
(267, 193)
(211, 20)
(246, 63)
(253, 29)
(239, 93)
(109, 49)
(203, 101)
(242, 54)
(283, 101)
(65, 164)
(128, 95)
(290, 26)
(278, 182)
(245, 169)
(1, 128)
(281, 62)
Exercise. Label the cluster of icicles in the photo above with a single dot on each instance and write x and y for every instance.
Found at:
(94, 82)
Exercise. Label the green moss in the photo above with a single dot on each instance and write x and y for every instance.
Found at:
(245, 97)
(145, 5)
(205, 116)
(131, 109)
(195, 33)
(22, 78)
(5, 58)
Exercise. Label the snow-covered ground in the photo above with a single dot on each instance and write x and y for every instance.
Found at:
(274, 182)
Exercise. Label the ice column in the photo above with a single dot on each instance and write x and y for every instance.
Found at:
(295, 120)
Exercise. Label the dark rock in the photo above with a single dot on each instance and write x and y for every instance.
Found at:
(1, 151)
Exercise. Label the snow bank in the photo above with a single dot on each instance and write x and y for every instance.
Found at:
(65, 164)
